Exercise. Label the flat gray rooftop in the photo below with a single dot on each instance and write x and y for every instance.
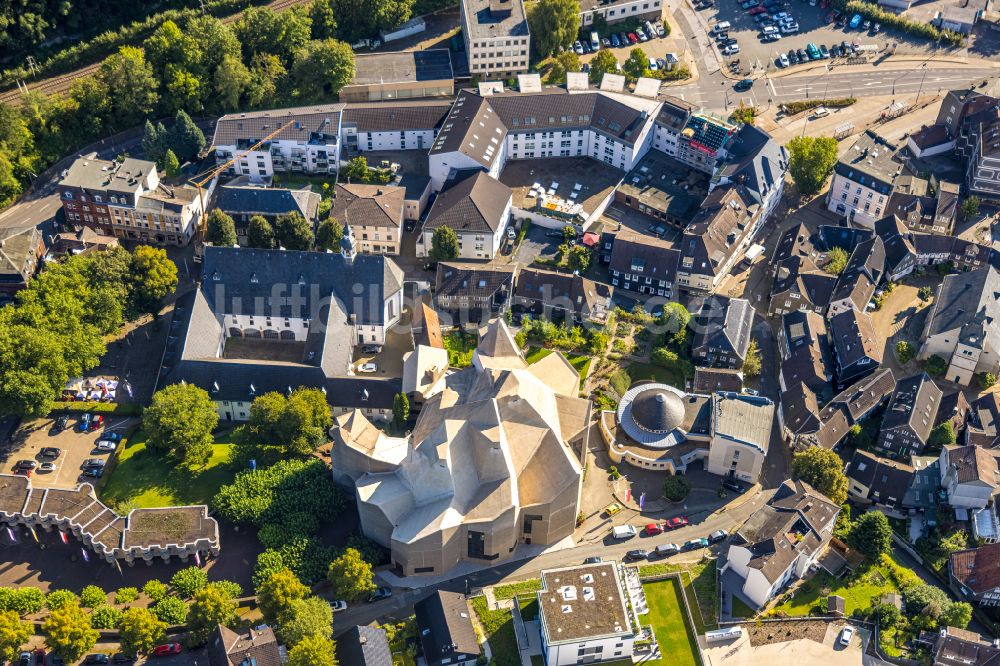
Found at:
(402, 67)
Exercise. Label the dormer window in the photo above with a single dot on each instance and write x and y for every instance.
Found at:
(215, 276)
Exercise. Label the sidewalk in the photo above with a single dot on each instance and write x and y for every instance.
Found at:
(933, 62)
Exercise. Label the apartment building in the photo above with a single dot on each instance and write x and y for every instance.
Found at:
(306, 140)
(615, 11)
(863, 180)
(477, 208)
(374, 214)
(126, 200)
(497, 39)
(703, 141)
(671, 120)
(398, 125)
(717, 239)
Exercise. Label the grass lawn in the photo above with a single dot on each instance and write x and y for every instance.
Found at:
(857, 592)
(460, 347)
(699, 586)
(740, 609)
(639, 371)
(579, 362)
(499, 628)
(149, 479)
(666, 617)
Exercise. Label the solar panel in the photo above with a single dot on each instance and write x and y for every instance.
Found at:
(490, 88)
(529, 83)
(613, 83)
(647, 87)
(577, 81)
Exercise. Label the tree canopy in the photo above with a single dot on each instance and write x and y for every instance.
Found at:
(141, 630)
(290, 425)
(179, 420)
(351, 576)
(836, 261)
(260, 233)
(275, 595)
(306, 617)
(211, 606)
(823, 470)
(14, 633)
(444, 244)
(69, 632)
(313, 651)
(811, 160)
(871, 534)
(293, 232)
(553, 23)
(221, 228)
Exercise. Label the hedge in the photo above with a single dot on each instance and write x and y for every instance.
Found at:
(801, 105)
(116, 408)
(875, 13)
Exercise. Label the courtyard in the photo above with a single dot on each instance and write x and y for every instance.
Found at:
(595, 179)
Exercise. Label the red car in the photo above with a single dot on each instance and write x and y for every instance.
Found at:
(757, 10)
(96, 422)
(652, 529)
(166, 650)
(632, 38)
(674, 523)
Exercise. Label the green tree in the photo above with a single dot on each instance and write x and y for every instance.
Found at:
(986, 380)
(275, 595)
(324, 21)
(743, 114)
(59, 598)
(602, 63)
(106, 617)
(400, 410)
(357, 19)
(153, 140)
(189, 580)
(674, 320)
(322, 68)
(567, 61)
(444, 244)
(92, 596)
(210, 606)
(676, 488)
(172, 610)
(179, 420)
(936, 366)
(186, 139)
(904, 351)
(259, 233)
(942, 435)
(886, 616)
(171, 166)
(925, 294)
(231, 81)
(553, 23)
(919, 596)
(141, 630)
(293, 232)
(823, 470)
(357, 169)
(753, 362)
(329, 235)
(69, 632)
(221, 228)
(154, 277)
(126, 595)
(296, 424)
(167, 47)
(130, 85)
(836, 261)
(970, 207)
(956, 614)
(636, 65)
(267, 73)
(263, 31)
(811, 161)
(871, 534)
(351, 576)
(311, 616)
(154, 589)
(22, 600)
(578, 258)
(13, 634)
(313, 651)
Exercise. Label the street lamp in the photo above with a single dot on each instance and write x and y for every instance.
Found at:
(919, 89)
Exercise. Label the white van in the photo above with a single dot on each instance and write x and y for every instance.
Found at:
(621, 532)
(722, 26)
(595, 41)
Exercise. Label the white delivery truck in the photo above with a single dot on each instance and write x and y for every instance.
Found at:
(622, 532)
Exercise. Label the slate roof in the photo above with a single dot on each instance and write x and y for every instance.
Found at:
(402, 67)
(637, 254)
(861, 397)
(358, 205)
(974, 464)
(799, 409)
(396, 116)
(364, 646)
(472, 128)
(983, 427)
(19, 247)
(755, 160)
(723, 322)
(561, 289)
(977, 568)
(674, 112)
(709, 380)
(445, 624)
(862, 274)
(307, 123)
(715, 232)
(474, 204)
(884, 478)
(958, 647)
(914, 404)
(854, 338)
(969, 302)
(931, 135)
(267, 201)
(456, 279)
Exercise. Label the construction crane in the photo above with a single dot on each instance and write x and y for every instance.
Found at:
(200, 179)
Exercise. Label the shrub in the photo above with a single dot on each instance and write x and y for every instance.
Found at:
(986, 380)
(126, 595)
(925, 294)
(93, 596)
(676, 488)
(276, 493)
(106, 617)
(22, 600)
(799, 106)
(171, 610)
(615, 474)
(56, 599)
(936, 366)
(188, 581)
(154, 589)
(904, 351)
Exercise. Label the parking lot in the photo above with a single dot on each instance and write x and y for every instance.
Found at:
(74, 446)
(813, 29)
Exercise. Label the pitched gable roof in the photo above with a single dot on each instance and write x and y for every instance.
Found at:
(476, 203)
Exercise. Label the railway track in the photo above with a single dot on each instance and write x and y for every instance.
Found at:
(62, 82)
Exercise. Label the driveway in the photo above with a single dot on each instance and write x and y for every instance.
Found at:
(536, 244)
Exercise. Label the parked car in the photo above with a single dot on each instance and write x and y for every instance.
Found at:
(783, 60)
(47, 467)
(694, 544)
(757, 10)
(25, 464)
(166, 650)
(876, 28)
(122, 658)
(748, 4)
(846, 635)
(770, 37)
(637, 554)
(823, 51)
(661, 63)
(60, 423)
(793, 57)
(717, 536)
(367, 368)
(55, 660)
(578, 47)
(660, 30)
(743, 84)
(652, 529)
(99, 658)
(615, 42)
(605, 42)
(24, 659)
(593, 559)
(732, 49)
(721, 36)
(338, 606)
(632, 39)
(866, 25)
(93, 472)
(846, 46)
(802, 55)
(728, 42)
(96, 422)
(675, 522)
(375, 349)
(94, 462)
(84, 423)
(379, 594)
(50, 452)
(623, 38)
(105, 445)
(666, 549)
(732, 484)
(855, 22)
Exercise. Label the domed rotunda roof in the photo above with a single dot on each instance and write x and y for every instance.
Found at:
(657, 410)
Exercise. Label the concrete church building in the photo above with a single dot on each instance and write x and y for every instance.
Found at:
(493, 461)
